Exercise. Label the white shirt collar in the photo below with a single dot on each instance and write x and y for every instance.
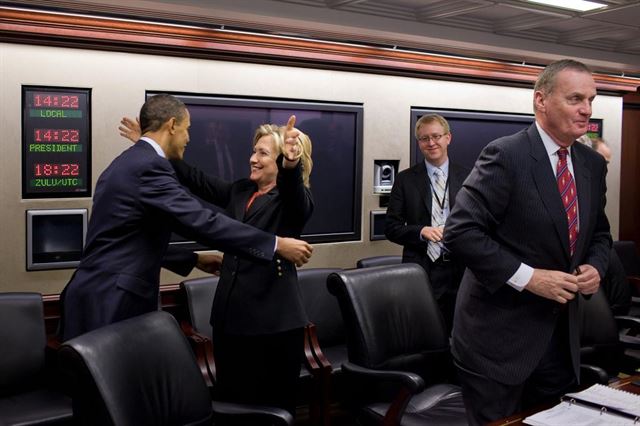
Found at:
(154, 145)
(431, 168)
(549, 145)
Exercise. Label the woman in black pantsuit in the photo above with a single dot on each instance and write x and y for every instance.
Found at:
(257, 314)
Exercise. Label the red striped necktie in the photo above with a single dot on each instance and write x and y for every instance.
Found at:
(567, 188)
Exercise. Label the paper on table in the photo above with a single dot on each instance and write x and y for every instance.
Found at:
(575, 415)
(608, 397)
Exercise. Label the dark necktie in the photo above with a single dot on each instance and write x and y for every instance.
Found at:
(567, 188)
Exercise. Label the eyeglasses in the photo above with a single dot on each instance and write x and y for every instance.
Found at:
(434, 138)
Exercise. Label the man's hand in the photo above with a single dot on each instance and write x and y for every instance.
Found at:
(432, 233)
(588, 279)
(292, 149)
(296, 251)
(554, 285)
(130, 129)
(210, 263)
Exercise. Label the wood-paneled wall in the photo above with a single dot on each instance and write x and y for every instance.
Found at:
(630, 169)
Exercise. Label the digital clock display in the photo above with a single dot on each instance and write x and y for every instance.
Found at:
(48, 169)
(56, 141)
(56, 100)
(56, 135)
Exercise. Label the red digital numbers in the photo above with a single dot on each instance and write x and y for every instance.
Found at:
(56, 135)
(44, 100)
(50, 169)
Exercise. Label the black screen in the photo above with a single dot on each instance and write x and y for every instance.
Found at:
(57, 238)
(470, 132)
(220, 144)
(378, 224)
(473, 130)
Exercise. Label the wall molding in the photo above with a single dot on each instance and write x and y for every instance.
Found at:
(103, 33)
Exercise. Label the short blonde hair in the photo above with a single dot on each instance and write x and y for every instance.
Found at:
(432, 118)
(272, 130)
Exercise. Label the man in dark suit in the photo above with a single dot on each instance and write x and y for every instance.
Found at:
(529, 224)
(138, 202)
(420, 201)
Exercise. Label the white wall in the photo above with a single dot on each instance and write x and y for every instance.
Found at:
(119, 80)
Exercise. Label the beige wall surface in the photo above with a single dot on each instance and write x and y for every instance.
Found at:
(119, 80)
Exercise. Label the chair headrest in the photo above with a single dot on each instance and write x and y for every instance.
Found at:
(389, 311)
(23, 337)
(143, 369)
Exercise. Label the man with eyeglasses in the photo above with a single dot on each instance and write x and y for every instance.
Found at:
(420, 202)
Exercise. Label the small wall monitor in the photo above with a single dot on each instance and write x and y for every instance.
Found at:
(377, 224)
(55, 238)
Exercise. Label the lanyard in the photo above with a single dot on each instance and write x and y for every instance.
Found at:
(435, 193)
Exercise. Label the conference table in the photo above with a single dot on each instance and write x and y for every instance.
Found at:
(517, 419)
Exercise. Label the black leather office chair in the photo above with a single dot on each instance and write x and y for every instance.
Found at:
(601, 343)
(198, 298)
(369, 262)
(398, 347)
(141, 371)
(28, 395)
(327, 340)
(199, 294)
(628, 254)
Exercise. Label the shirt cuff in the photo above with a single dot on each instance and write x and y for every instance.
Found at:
(521, 278)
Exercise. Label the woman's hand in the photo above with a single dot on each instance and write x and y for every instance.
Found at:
(130, 129)
(292, 150)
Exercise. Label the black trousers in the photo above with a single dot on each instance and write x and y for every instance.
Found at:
(261, 369)
(487, 400)
(444, 277)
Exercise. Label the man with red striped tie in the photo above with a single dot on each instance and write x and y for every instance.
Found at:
(529, 224)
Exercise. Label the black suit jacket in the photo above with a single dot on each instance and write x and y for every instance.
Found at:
(138, 202)
(256, 297)
(509, 211)
(409, 211)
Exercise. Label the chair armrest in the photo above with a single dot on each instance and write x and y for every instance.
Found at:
(408, 384)
(625, 321)
(412, 382)
(630, 331)
(53, 375)
(315, 360)
(202, 347)
(247, 414)
(53, 343)
(591, 374)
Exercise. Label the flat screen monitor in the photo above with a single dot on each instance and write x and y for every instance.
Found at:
(470, 131)
(473, 130)
(220, 144)
(55, 238)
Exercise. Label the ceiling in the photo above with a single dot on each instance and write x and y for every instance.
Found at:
(607, 39)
